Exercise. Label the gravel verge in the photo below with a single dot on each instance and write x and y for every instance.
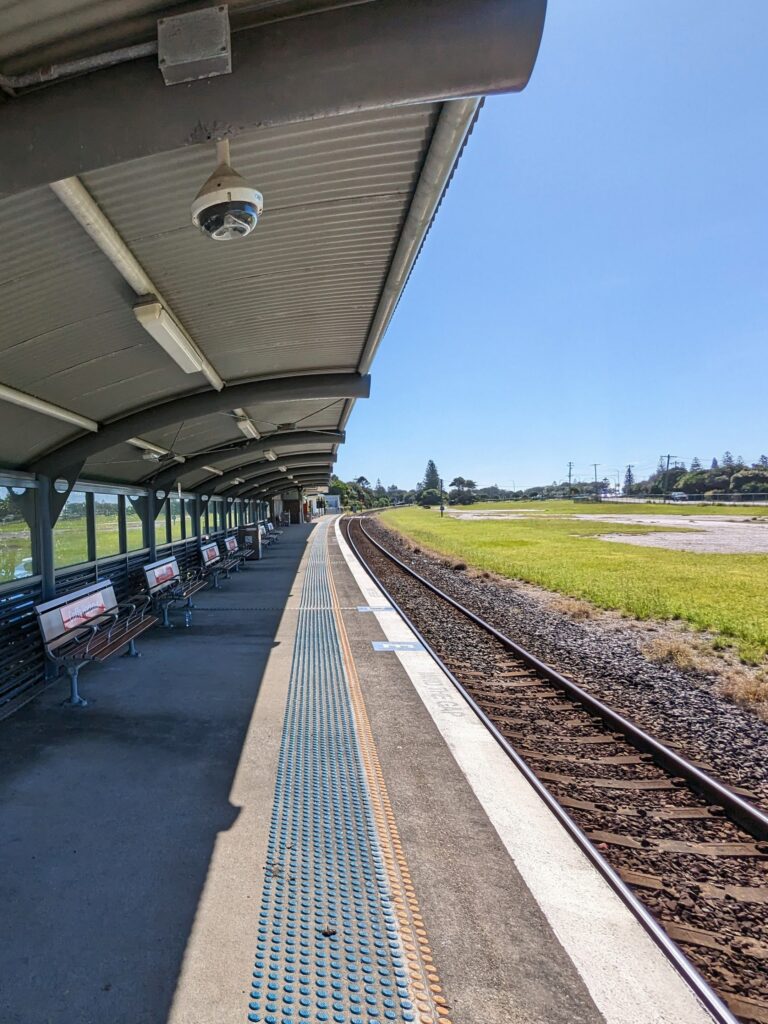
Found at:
(604, 655)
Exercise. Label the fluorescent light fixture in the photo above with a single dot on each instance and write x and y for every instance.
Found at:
(155, 449)
(212, 469)
(283, 469)
(46, 408)
(269, 454)
(238, 480)
(245, 424)
(157, 322)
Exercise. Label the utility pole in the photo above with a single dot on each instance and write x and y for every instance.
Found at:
(666, 474)
(595, 465)
(570, 473)
(442, 506)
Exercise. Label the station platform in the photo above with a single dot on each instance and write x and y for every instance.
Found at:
(285, 814)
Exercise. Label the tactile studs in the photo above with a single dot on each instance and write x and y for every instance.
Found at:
(328, 945)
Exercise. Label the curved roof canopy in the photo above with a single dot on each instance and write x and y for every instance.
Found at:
(349, 118)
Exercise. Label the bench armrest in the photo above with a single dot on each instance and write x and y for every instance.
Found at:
(134, 602)
(107, 624)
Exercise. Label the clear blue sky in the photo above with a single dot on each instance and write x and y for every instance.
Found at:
(595, 286)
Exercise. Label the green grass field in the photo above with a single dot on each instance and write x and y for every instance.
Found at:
(565, 508)
(69, 541)
(724, 593)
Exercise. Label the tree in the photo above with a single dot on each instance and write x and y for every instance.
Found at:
(695, 464)
(763, 461)
(458, 482)
(728, 461)
(362, 481)
(430, 496)
(470, 485)
(629, 479)
(431, 480)
(715, 464)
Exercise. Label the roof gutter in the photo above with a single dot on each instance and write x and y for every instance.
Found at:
(453, 126)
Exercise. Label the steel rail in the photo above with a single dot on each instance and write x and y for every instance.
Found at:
(743, 813)
(698, 985)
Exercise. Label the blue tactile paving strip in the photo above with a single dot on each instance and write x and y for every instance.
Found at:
(328, 946)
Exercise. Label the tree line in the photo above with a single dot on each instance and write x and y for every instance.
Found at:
(461, 490)
(728, 474)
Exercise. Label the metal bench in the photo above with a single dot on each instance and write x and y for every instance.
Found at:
(212, 565)
(89, 625)
(267, 538)
(277, 534)
(167, 587)
(234, 550)
(229, 557)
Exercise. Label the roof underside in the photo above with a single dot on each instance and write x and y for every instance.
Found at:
(349, 117)
(298, 296)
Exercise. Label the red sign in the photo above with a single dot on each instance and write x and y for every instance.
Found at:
(164, 572)
(77, 613)
(210, 555)
(231, 544)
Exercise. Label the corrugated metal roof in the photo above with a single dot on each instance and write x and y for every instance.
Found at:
(301, 292)
(297, 296)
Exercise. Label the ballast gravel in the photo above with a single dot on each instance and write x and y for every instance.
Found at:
(603, 654)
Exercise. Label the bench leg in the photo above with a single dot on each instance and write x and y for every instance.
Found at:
(167, 624)
(131, 652)
(74, 700)
(216, 584)
(188, 615)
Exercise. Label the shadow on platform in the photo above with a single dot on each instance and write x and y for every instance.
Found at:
(109, 815)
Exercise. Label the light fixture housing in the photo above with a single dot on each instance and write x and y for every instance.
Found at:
(153, 452)
(245, 425)
(160, 325)
(270, 455)
(212, 469)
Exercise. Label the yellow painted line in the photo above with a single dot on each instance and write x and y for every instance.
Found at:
(424, 981)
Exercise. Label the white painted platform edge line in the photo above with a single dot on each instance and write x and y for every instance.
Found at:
(628, 977)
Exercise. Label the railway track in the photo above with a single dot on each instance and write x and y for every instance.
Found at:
(686, 853)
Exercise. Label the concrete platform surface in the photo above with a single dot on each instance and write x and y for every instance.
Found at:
(266, 819)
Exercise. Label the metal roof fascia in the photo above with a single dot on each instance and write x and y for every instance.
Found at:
(453, 127)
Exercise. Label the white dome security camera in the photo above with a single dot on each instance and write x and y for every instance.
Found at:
(226, 207)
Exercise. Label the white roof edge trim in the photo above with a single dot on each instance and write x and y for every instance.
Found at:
(453, 126)
(56, 412)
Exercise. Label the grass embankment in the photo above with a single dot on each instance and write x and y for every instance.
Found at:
(567, 508)
(725, 594)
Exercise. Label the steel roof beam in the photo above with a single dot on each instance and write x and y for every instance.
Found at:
(340, 61)
(248, 472)
(304, 387)
(254, 450)
(292, 462)
(281, 483)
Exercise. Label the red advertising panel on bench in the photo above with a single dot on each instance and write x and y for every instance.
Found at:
(161, 572)
(78, 613)
(210, 553)
(231, 543)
